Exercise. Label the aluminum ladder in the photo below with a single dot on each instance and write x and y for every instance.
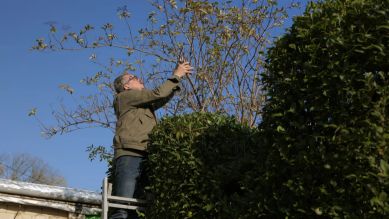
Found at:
(118, 202)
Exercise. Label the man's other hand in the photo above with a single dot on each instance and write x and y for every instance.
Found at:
(182, 69)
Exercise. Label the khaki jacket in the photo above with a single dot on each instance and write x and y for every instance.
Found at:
(134, 111)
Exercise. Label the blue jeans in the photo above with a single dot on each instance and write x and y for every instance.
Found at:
(127, 183)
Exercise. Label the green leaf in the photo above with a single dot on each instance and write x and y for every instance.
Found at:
(280, 129)
(386, 27)
(384, 168)
(292, 46)
(67, 88)
(208, 207)
(53, 29)
(277, 115)
(32, 112)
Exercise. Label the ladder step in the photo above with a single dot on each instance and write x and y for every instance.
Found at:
(124, 199)
(129, 207)
(117, 201)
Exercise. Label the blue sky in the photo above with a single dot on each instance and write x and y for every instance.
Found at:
(31, 79)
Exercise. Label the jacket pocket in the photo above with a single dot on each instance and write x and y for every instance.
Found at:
(117, 142)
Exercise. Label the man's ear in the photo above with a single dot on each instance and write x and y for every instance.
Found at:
(126, 86)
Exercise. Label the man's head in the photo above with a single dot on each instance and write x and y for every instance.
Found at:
(128, 82)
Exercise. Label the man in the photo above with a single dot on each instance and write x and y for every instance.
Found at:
(134, 108)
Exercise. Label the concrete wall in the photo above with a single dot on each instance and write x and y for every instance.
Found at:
(23, 200)
(16, 211)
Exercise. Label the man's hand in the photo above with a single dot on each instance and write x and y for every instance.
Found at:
(182, 69)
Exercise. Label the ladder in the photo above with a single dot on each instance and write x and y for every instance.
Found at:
(118, 202)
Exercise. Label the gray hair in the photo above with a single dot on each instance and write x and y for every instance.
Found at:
(118, 83)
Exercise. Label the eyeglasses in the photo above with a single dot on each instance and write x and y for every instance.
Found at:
(132, 77)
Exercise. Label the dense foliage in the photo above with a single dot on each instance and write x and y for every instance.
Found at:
(196, 166)
(325, 120)
(321, 148)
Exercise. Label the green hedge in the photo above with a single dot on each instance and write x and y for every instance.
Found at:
(196, 166)
(321, 148)
(325, 122)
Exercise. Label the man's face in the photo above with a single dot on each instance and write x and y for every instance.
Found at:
(132, 82)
